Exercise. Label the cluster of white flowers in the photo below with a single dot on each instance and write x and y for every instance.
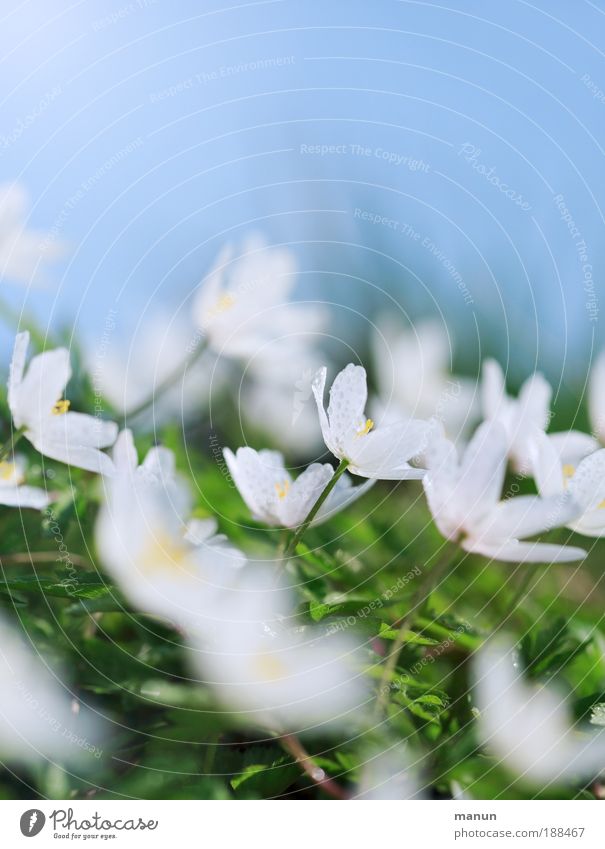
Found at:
(239, 621)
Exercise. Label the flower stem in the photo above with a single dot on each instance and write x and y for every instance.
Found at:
(317, 775)
(301, 530)
(9, 445)
(168, 383)
(419, 600)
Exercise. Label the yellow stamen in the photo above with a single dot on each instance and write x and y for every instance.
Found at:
(162, 553)
(270, 667)
(282, 489)
(568, 471)
(7, 470)
(62, 406)
(367, 427)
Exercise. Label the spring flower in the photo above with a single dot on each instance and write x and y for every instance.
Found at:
(39, 718)
(529, 728)
(244, 303)
(463, 496)
(166, 564)
(379, 452)
(22, 251)
(387, 775)
(274, 498)
(281, 677)
(585, 483)
(36, 401)
(160, 349)
(14, 492)
(520, 416)
(414, 378)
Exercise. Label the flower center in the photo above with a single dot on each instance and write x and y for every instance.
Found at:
(270, 667)
(162, 553)
(61, 407)
(224, 303)
(8, 471)
(282, 489)
(365, 429)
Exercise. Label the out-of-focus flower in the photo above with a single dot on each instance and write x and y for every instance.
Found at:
(382, 452)
(166, 564)
(39, 717)
(160, 350)
(22, 251)
(529, 728)
(274, 498)
(463, 496)
(596, 397)
(387, 775)
(521, 416)
(280, 676)
(414, 378)
(584, 483)
(14, 492)
(35, 399)
(282, 384)
(244, 304)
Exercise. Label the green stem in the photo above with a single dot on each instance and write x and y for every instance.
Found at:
(9, 445)
(419, 600)
(168, 382)
(301, 530)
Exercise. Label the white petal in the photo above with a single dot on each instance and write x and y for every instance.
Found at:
(513, 551)
(546, 465)
(17, 368)
(573, 445)
(343, 494)
(80, 429)
(304, 492)
(482, 470)
(348, 398)
(534, 403)
(587, 485)
(384, 453)
(82, 457)
(42, 386)
(124, 452)
(318, 385)
(493, 389)
(596, 396)
(526, 515)
(200, 530)
(160, 463)
(256, 475)
(24, 496)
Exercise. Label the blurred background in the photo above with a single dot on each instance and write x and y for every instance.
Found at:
(446, 159)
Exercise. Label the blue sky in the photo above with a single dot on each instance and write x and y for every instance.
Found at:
(447, 154)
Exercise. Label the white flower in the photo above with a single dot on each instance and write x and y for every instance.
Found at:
(387, 775)
(244, 303)
(283, 677)
(166, 564)
(414, 378)
(585, 483)
(520, 416)
(13, 491)
(35, 399)
(596, 397)
(274, 498)
(159, 350)
(40, 719)
(382, 452)
(529, 728)
(22, 251)
(463, 497)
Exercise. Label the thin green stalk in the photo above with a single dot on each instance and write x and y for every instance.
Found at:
(9, 445)
(419, 601)
(168, 382)
(301, 530)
